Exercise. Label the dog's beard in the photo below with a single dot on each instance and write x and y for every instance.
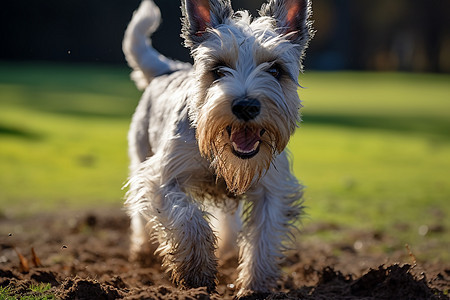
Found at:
(240, 152)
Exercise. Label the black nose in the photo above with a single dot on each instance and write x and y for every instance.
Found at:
(246, 109)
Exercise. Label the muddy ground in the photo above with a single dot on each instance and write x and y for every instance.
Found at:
(84, 256)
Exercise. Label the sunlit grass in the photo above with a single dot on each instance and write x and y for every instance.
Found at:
(63, 145)
(359, 146)
(374, 153)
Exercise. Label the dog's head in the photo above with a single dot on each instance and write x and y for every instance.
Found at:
(246, 104)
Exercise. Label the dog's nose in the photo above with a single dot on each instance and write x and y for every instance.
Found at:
(246, 109)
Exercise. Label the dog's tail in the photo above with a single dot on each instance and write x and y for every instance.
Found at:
(146, 62)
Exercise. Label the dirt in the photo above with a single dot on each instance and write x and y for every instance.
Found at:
(84, 255)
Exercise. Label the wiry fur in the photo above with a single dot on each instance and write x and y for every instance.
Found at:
(190, 178)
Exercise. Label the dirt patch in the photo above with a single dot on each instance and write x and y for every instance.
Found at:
(84, 256)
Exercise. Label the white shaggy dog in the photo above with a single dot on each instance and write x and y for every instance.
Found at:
(207, 142)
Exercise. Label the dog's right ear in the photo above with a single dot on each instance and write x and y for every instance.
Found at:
(201, 15)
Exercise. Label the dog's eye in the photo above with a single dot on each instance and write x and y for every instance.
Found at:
(274, 71)
(218, 73)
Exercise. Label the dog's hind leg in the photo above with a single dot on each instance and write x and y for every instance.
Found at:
(226, 222)
(141, 247)
(139, 149)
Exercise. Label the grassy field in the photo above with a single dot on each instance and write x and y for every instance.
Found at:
(373, 150)
(374, 153)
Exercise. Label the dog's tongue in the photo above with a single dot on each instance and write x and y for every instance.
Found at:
(245, 140)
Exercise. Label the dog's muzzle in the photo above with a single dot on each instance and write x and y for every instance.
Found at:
(245, 141)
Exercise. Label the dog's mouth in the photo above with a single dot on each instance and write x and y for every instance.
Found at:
(245, 142)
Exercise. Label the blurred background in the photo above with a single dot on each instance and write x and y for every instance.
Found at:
(373, 149)
(405, 35)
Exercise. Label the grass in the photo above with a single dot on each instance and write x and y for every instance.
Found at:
(63, 132)
(35, 291)
(375, 140)
(373, 150)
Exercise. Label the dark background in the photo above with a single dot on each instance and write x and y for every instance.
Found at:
(388, 35)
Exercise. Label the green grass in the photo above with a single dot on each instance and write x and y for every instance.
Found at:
(374, 153)
(63, 135)
(36, 291)
(373, 150)
(374, 140)
(5, 292)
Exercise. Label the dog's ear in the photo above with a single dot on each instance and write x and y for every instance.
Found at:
(291, 17)
(201, 15)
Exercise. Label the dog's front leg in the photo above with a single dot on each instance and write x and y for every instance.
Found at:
(273, 207)
(187, 242)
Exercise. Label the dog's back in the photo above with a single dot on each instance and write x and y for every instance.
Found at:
(148, 64)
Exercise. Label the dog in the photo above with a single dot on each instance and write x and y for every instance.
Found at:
(209, 169)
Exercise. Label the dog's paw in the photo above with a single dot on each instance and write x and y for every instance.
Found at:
(245, 294)
(144, 256)
(194, 281)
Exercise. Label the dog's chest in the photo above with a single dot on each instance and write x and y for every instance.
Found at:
(209, 188)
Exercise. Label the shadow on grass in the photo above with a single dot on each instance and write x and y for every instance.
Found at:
(86, 113)
(74, 104)
(6, 130)
(437, 127)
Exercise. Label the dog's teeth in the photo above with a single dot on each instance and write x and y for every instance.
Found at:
(255, 146)
(236, 147)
